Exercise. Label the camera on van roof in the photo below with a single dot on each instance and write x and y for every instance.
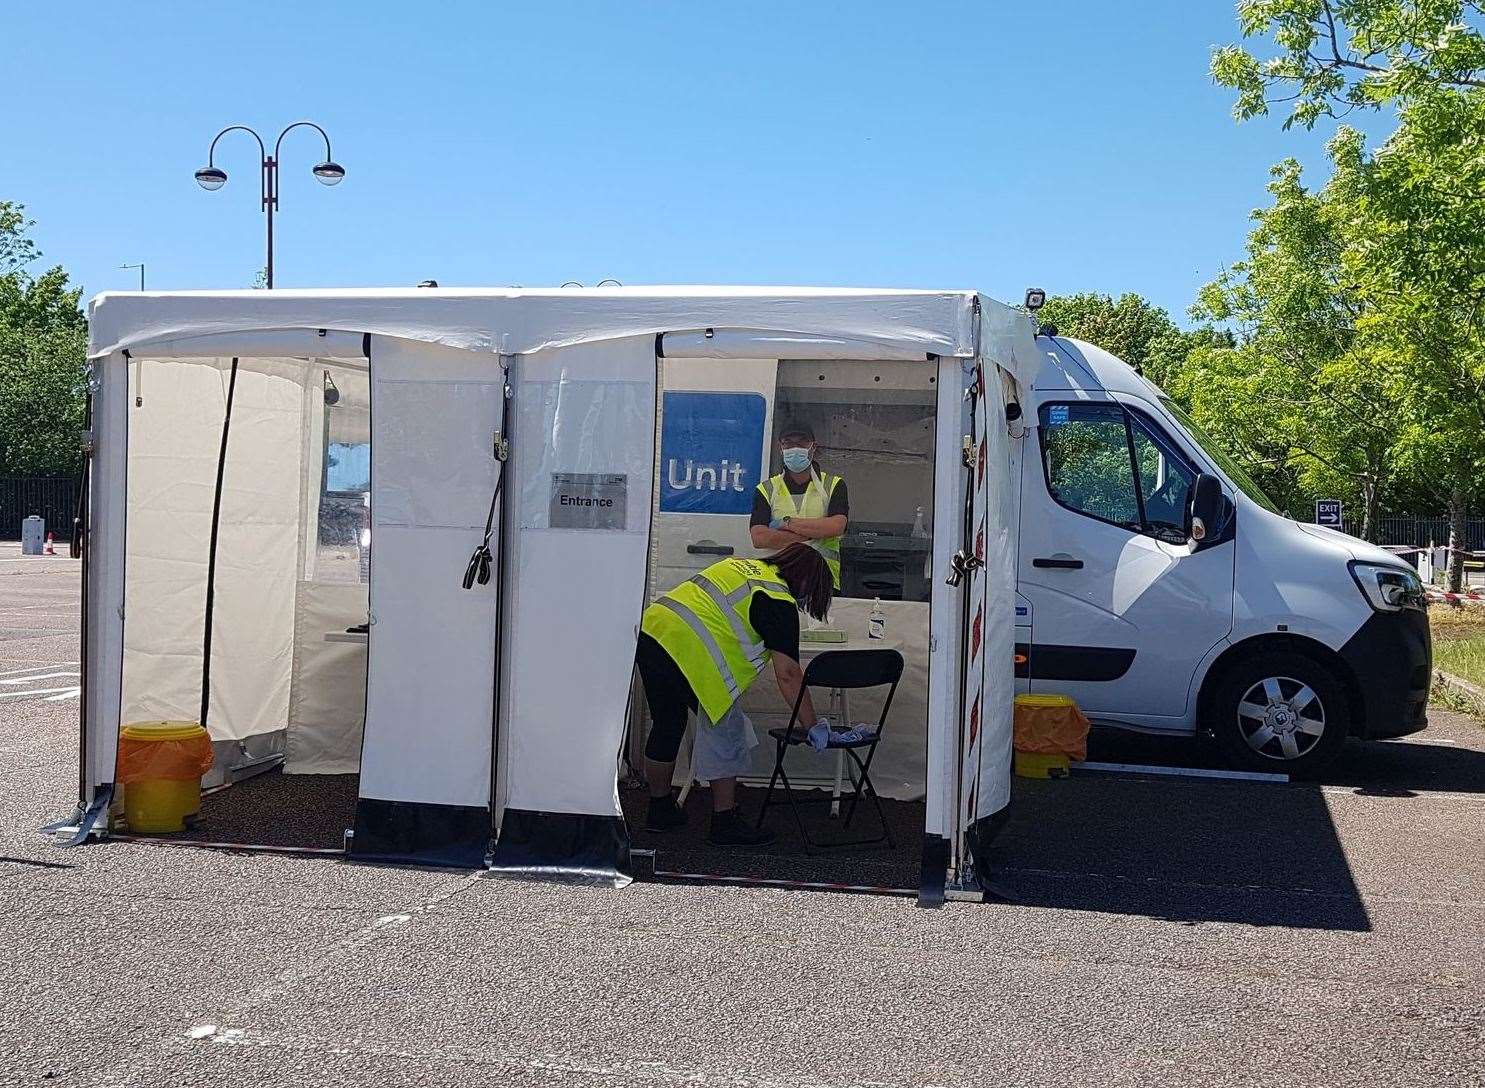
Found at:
(1036, 298)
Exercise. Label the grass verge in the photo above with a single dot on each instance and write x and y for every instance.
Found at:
(1459, 650)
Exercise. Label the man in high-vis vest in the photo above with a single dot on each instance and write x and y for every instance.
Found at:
(801, 504)
(702, 645)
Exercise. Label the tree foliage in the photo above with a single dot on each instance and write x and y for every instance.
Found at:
(1303, 391)
(1404, 256)
(43, 357)
(1131, 327)
(1416, 254)
(1338, 55)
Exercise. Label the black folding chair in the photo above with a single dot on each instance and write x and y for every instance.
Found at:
(838, 669)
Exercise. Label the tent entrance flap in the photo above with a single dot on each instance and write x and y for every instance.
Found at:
(874, 422)
(425, 761)
(581, 467)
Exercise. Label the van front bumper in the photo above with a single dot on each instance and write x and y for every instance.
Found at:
(1391, 657)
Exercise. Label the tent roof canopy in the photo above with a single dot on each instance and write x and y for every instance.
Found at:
(517, 321)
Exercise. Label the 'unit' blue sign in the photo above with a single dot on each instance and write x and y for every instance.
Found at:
(711, 452)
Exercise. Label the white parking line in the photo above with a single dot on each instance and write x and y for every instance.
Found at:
(39, 676)
(34, 668)
(43, 691)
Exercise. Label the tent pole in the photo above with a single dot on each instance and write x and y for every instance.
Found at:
(211, 555)
(80, 539)
(502, 565)
(965, 563)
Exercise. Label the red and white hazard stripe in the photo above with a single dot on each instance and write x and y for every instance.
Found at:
(1453, 598)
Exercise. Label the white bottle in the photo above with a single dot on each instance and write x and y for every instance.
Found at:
(920, 533)
(876, 623)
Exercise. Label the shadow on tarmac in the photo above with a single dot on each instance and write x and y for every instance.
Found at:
(1203, 850)
(1188, 850)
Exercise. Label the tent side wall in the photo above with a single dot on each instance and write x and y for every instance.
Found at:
(103, 647)
(175, 438)
(327, 702)
(951, 481)
(988, 754)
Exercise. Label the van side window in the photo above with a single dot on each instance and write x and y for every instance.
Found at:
(1086, 454)
(1165, 481)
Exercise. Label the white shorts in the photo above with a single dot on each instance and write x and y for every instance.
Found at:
(723, 750)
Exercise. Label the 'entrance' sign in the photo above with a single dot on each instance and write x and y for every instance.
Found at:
(589, 500)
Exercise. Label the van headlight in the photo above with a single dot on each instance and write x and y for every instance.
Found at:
(1388, 588)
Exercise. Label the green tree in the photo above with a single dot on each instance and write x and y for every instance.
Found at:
(1415, 254)
(1409, 216)
(1303, 394)
(1338, 55)
(1134, 329)
(43, 358)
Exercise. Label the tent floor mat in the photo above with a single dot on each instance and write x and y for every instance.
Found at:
(277, 809)
(685, 850)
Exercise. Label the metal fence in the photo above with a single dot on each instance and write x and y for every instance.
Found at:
(51, 497)
(1420, 531)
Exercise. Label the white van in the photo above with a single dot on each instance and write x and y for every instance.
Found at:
(1281, 639)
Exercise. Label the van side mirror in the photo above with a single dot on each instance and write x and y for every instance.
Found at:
(1203, 508)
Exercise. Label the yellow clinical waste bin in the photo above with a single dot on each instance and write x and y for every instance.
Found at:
(160, 769)
(1050, 732)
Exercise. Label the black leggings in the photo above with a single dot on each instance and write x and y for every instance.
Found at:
(670, 697)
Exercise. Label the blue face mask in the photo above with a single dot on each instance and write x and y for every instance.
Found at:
(796, 459)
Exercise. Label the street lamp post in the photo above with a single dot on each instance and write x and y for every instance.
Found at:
(139, 266)
(212, 177)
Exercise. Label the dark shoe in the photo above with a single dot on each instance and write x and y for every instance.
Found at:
(664, 814)
(730, 829)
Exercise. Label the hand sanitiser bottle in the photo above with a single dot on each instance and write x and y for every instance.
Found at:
(876, 623)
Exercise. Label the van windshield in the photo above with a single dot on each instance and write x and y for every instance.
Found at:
(1235, 472)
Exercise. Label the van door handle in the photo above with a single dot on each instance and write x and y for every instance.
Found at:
(1058, 564)
(709, 549)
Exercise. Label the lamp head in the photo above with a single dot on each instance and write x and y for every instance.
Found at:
(211, 177)
(329, 173)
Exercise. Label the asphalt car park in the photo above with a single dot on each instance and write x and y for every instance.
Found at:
(1157, 930)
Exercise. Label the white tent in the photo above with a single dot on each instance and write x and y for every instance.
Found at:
(493, 717)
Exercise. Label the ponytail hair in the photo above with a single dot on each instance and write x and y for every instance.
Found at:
(807, 574)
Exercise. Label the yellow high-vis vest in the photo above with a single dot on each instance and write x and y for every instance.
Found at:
(814, 503)
(703, 625)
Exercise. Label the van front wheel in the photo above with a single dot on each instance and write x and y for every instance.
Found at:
(1280, 712)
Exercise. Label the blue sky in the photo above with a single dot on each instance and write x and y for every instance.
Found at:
(1075, 145)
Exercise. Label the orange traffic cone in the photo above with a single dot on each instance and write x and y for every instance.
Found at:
(50, 549)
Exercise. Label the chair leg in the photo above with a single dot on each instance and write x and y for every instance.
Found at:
(866, 785)
(809, 843)
(877, 804)
(856, 782)
(778, 769)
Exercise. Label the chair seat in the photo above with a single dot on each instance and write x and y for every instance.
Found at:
(800, 738)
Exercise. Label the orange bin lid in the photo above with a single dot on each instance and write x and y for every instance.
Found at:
(162, 731)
